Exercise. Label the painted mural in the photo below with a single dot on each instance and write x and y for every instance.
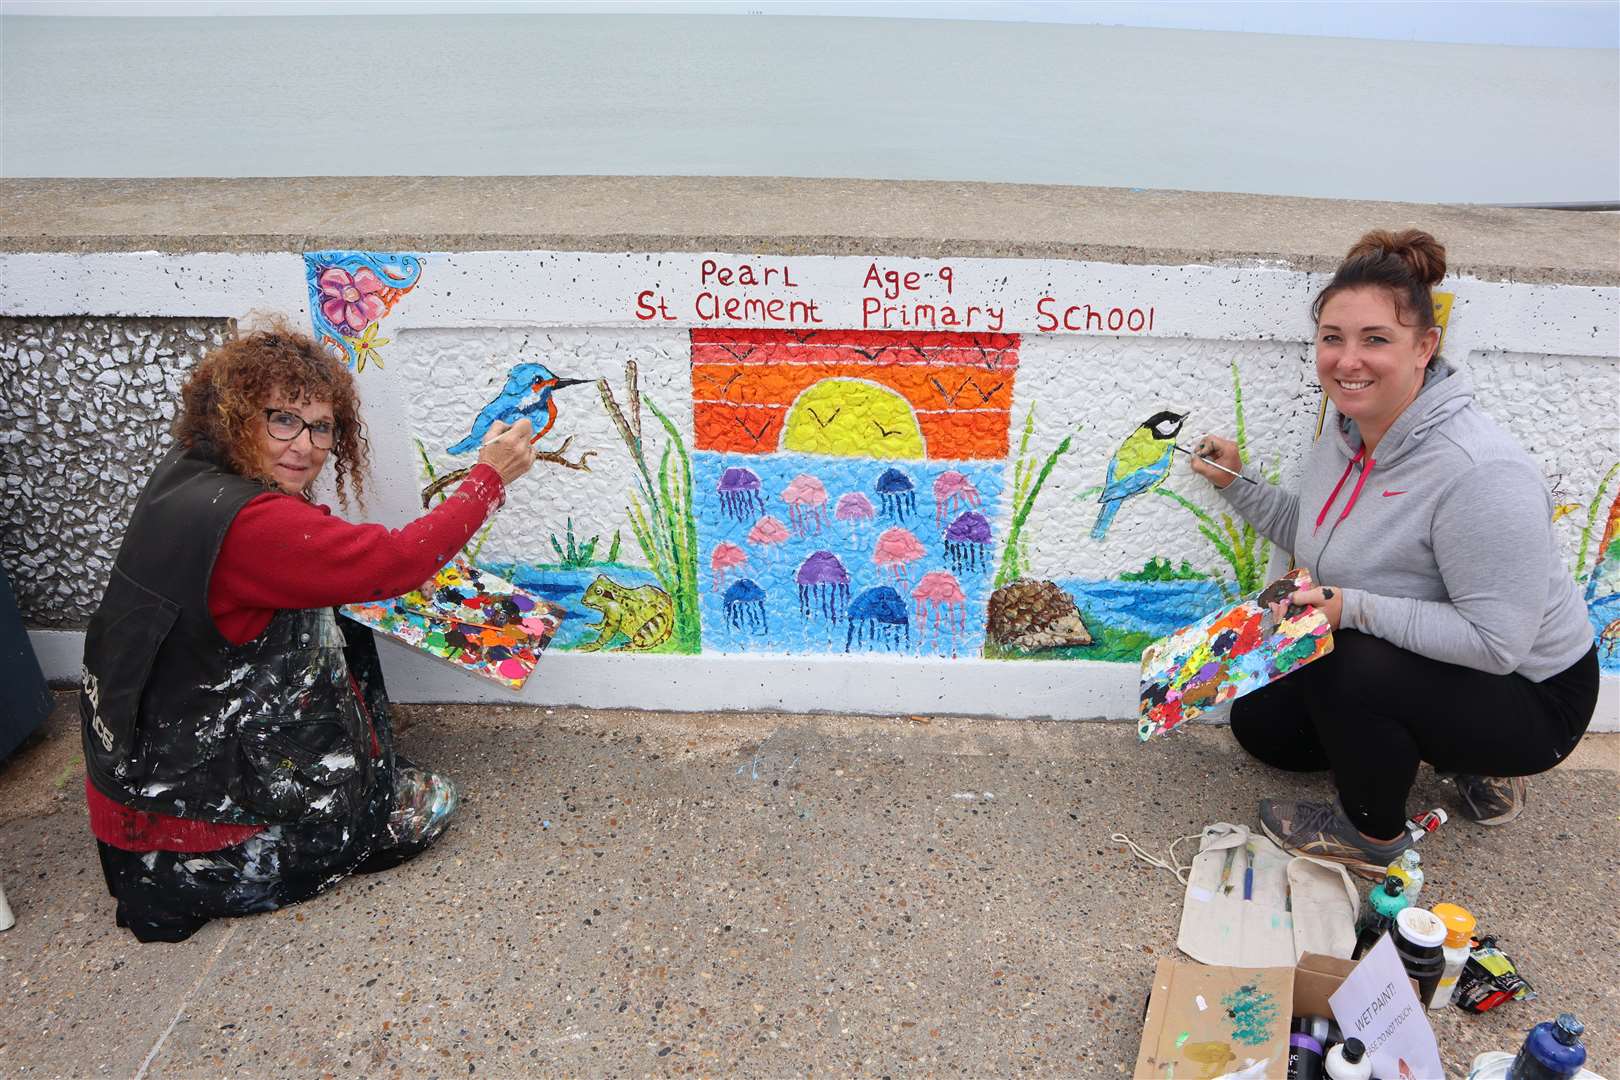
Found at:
(1602, 577)
(889, 471)
(846, 484)
(349, 294)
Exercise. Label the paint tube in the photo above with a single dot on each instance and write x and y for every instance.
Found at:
(1489, 978)
(1420, 825)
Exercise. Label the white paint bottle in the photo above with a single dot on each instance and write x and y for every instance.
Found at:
(7, 919)
(1459, 932)
(1348, 1061)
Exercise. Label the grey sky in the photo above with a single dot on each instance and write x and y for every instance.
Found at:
(1553, 23)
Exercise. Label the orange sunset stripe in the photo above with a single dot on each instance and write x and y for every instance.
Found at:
(959, 385)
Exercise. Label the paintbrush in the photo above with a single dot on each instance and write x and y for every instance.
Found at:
(1214, 464)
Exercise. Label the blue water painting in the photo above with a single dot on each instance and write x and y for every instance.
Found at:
(1152, 607)
(818, 577)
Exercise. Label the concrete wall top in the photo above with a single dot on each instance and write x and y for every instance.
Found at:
(785, 216)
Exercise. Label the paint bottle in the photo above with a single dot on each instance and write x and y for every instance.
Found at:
(1383, 903)
(1409, 868)
(1552, 1051)
(1459, 932)
(1348, 1061)
(1305, 1048)
(7, 919)
(1422, 824)
(1420, 939)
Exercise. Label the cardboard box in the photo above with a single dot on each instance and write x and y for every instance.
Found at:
(1204, 1022)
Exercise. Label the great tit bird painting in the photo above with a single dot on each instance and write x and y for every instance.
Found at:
(1140, 463)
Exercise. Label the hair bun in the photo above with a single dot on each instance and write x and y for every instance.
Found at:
(1423, 254)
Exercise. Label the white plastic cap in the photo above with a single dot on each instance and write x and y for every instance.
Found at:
(1420, 926)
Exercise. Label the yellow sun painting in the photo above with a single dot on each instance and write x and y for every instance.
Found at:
(852, 418)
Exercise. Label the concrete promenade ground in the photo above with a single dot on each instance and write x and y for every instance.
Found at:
(650, 894)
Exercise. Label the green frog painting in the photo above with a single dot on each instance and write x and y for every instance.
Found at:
(644, 617)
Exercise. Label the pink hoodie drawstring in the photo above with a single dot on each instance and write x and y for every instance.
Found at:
(1355, 492)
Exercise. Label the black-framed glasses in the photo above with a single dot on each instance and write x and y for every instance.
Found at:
(287, 426)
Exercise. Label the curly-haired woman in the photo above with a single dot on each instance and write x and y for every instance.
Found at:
(1461, 638)
(238, 750)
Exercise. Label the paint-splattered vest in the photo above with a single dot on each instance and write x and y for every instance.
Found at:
(176, 719)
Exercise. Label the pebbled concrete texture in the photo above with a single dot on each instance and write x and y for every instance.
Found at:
(782, 215)
(650, 894)
(88, 404)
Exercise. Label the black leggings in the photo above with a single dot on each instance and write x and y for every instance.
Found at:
(1371, 711)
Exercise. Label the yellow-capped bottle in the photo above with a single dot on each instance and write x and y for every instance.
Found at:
(1409, 868)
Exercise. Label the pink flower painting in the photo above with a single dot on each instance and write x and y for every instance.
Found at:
(350, 301)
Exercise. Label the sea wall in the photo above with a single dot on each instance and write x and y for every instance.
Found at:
(816, 458)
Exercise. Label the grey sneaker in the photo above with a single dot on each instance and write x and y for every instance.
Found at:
(1491, 800)
(1322, 831)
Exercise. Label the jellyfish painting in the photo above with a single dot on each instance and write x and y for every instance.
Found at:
(897, 549)
(824, 584)
(740, 497)
(940, 599)
(952, 491)
(854, 508)
(897, 494)
(878, 617)
(767, 533)
(967, 542)
(745, 607)
(806, 500)
(727, 556)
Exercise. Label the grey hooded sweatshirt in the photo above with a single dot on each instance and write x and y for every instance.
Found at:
(1442, 543)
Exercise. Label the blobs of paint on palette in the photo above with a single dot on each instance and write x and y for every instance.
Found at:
(807, 501)
(967, 542)
(897, 495)
(744, 604)
(1211, 1058)
(1252, 1012)
(823, 586)
(740, 497)
(877, 617)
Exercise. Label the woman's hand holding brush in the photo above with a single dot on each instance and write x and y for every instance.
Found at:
(1216, 460)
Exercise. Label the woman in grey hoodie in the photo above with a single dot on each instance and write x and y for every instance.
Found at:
(1461, 637)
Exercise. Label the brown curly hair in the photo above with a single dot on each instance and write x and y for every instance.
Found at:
(222, 400)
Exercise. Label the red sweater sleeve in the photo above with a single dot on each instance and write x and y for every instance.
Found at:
(282, 552)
